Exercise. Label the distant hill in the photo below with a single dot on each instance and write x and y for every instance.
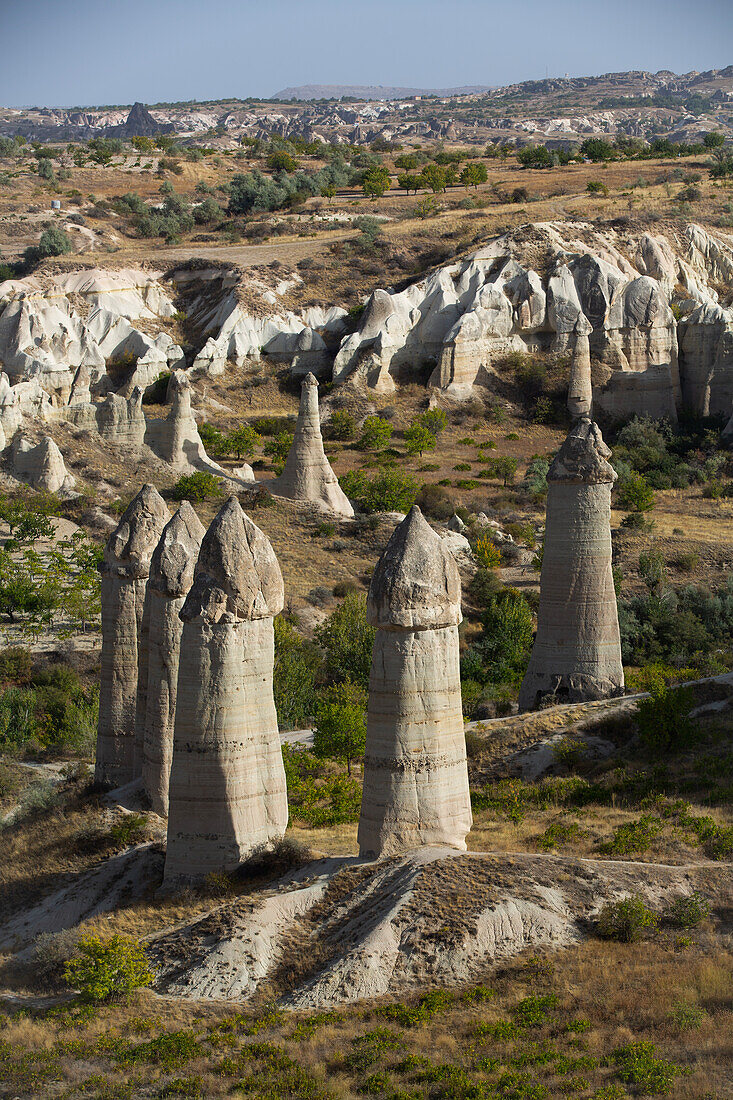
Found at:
(369, 91)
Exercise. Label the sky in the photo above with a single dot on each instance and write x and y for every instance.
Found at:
(93, 52)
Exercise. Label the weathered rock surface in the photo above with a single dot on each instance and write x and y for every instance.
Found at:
(577, 650)
(227, 795)
(176, 438)
(308, 475)
(124, 572)
(415, 773)
(41, 465)
(171, 576)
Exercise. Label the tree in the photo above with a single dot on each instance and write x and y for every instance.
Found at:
(297, 664)
(418, 438)
(408, 182)
(196, 487)
(634, 493)
(328, 191)
(435, 420)
(535, 156)
(341, 426)
(434, 177)
(277, 448)
(45, 170)
(375, 433)
(348, 640)
(281, 162)
(340, 728)
(53, 242)
(506, 468)
(597, 149)
(723, 165)
(474, 174)
(243, 441)
(376, 181)
(207, 211)
(713, 140)
(105, 969)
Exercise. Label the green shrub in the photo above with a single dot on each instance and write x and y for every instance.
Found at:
(347, 640)
(638, 1065)
(687, 1017)
(297, 664)
(105, 969)
(278, 447)
(627, 920)
(533, 1011)
(435, 420)
(130, 829)
(375, 433)
(341, 426)
(634, 494)
(155, 394)
(418, 439)
(633, 837)
(663, 719)
(688, 910)
(196, 487)
(340, 729)
(387, 491)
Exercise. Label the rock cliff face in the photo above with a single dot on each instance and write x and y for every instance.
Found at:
(171, 576)
(415, 773)
(227, 795)
(577, 650)
(307, 475)
(124, 572)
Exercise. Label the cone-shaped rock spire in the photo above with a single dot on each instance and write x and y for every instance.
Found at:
(227, 795)
(307, 474)
(41, 465)
(171, 576)
(577, 651)
(124, 572)
(415, 773)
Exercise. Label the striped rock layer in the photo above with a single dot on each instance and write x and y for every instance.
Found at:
(227, 794)
(171, 576)
(124, 570)
(577, 650)
(415, 772)
(307, 474)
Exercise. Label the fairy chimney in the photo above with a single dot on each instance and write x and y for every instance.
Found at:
(227, 794)
(415, 772)
(577, 650)
(124, 570)
(308, 475)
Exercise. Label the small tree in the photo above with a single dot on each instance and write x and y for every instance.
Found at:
(435, 420)
(376, 181)
(341, 426)
(348, 640)
(53, 242)
(506, 468)
(375, 433)
(418, 438)
(474, 174)
(277, 448)
(340, 728)
(196, 487)
(243, 441)
(635, 494)
(105, 969)
(487, 554)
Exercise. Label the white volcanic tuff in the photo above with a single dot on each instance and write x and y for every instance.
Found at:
(227, 795)
(577, 649)
(124, 577)
(176, 438)
(307, 474)
(415, 772)
(41, 465)
(171, 576)
(469, 314)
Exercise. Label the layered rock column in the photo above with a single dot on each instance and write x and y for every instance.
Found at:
(580, 389)
(415, 773)
(227, 794)
(171, 576)
(307, 474)
(124, 572)
(577, 650)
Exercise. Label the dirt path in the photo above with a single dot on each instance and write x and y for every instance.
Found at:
(245, 255)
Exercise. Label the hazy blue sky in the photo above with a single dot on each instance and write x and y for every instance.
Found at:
(68, 52)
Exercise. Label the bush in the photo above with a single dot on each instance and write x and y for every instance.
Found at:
(348, 640)
(688, 910)
(418, 439)
(375, 433)
(487, 554)
(638, 1065)
(341, 426)
(388, 491)
(634, 493)
(435, 420)
(627, 920)
(595, 187)
(105, 969)
(437, 502)
(340, 729)
(51, 953)
(663, 719)
(297, 664)
(278, 448)
(196, 487)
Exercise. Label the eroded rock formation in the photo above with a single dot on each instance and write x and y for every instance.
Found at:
(41, 465)
(227, 795)
(415, 773)
(124, 570)
(577, 650)
(171, 576)
(308, 475)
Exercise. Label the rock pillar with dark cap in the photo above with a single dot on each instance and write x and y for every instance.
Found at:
(308, 475)
(227, 795)
(171, 577)
(124, 570)
(415, 772)
(577, 650)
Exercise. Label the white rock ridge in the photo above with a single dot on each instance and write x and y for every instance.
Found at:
(308, 475)
(124, 572)
(227, 795)
(577, 651)
(41, 465)
(415, 773)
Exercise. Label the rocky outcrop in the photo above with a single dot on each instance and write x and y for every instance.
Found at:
(41, 465)
(124, 572)
(308, 475)
(121, 420)
(171, 576)
(176, 439)
(227, 796)
(580, 389)
(415, 773)
(577, 651)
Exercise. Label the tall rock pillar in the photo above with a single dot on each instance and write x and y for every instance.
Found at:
(171, 577)
(307, 474)
(415, 772)
(580, 389)
(124, 572)
(577, 650)
(227, 795)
